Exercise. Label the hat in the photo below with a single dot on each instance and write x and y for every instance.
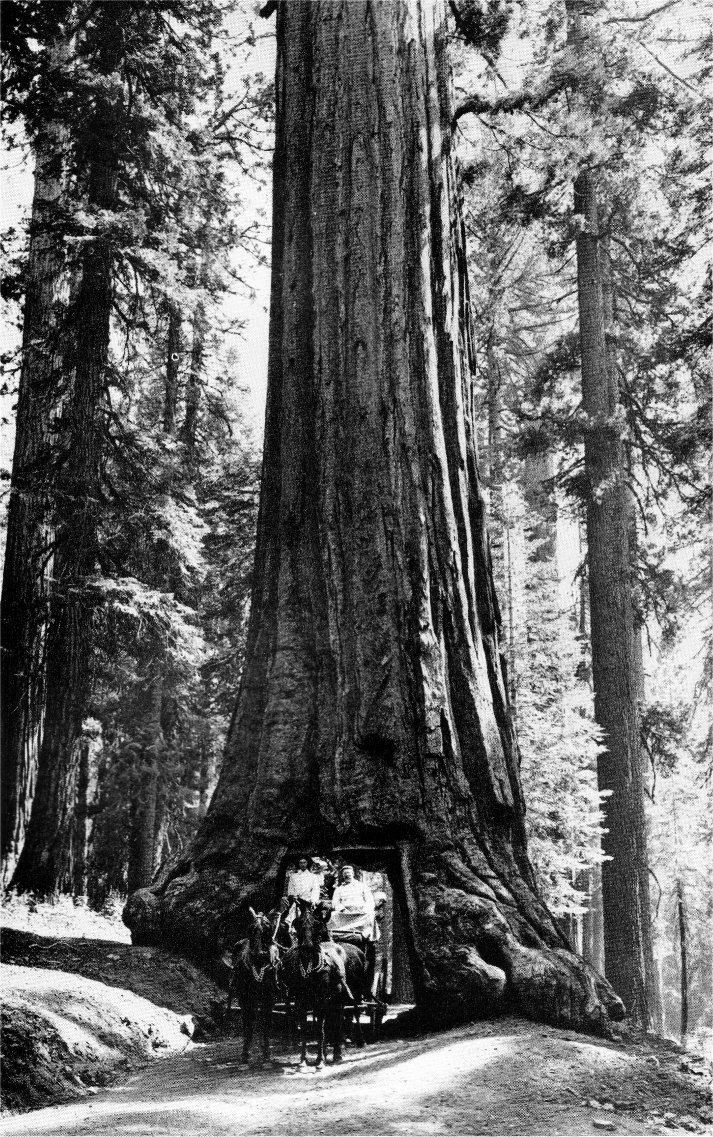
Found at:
(318, 861)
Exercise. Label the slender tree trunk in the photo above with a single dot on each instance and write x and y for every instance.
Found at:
(173, 362)
(593, 919)
(584, 671)
(613, 366)
(372, 708)
(189, 427)
(653, 983)
(148, 823)
(29, 536)
(593, 931)
(625, 888)
(43, 866)
(160, 819)
(81, 818)
(625, 880)
(683, 949)
(206, 772)
(142, 853)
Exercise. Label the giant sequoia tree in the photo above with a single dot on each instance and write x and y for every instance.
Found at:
(44, 863)
(28, 548)
(372, 708)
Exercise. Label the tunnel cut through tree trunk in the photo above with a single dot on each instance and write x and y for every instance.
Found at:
(372, 706)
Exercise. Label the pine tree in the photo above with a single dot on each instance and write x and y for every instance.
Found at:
(601, 107)
(515, 296)
(132, 74)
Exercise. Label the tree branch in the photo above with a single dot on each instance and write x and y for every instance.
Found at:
(510, 104)
(678, 78)
(645, 16)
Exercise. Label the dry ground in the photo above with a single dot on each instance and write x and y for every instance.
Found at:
(508, 1077)
(83, 1012)
(78, 1013)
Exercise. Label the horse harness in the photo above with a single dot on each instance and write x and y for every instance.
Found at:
(305, 972)
(259, 973)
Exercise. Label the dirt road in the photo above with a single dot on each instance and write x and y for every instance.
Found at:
(509, 1077)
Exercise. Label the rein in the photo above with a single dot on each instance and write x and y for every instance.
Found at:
(277, 928)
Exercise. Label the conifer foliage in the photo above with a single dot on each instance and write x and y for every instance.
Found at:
(127, 428)
(593, 160)
(577, 218)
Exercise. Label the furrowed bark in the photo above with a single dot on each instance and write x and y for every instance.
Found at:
(625, 889)
(372, 708)
(29, 535)
(44, 865)
(625, 882)
(144, 827)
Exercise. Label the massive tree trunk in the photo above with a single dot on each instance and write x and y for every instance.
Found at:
(45, 865)
(28, 548)
(625, 886)
(372, 710)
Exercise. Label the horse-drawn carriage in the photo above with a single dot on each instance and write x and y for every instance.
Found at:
(374, 1005)
(305, 976)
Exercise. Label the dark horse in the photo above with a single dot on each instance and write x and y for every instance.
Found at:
(322, 977)
(255, 977)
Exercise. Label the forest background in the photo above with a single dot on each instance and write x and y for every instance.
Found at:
(178, 456)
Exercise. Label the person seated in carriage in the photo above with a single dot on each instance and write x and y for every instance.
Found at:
(352, 908)
(303, 883)
(353, 917)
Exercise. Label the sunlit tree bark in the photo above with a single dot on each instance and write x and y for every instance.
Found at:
(625, 886)
(29, 536)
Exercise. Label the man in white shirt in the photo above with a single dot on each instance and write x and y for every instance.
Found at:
(352, 907)
(303, 884)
